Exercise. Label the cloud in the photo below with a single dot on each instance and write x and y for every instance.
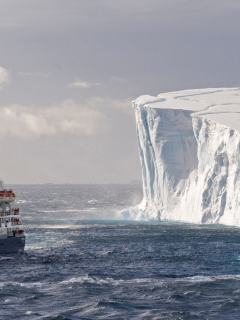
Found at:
(125, 105)
(34, 74)
(4, 77)
(68, 117)
(83, 84)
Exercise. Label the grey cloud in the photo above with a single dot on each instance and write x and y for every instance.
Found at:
(156, 45)
(68, 117)
(4, 77)
(118, 80)
(83, 84)
(34, 74)
(81, 12)
(29, 123)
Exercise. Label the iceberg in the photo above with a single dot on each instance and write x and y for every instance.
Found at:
(189, 146)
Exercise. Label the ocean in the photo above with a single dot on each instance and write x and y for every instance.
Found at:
(82, 261)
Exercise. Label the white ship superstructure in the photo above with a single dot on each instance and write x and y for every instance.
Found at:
(12, 237)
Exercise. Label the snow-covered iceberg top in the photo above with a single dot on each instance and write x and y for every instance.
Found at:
(189, 146)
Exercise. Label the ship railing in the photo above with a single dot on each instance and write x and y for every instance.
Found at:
(16, 223)
(4, 214)
(9, 214)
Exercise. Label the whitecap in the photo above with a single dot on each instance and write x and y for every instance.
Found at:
(213, 278)
(28, 312)
(6, 258)
(31, 285)
(201, 279)
(93, 201)
(8, 300)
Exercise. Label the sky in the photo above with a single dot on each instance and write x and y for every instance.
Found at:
(69, 70)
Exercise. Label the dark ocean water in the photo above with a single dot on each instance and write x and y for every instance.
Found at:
(77, 266)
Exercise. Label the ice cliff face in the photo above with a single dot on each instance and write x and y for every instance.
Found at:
(189, 145)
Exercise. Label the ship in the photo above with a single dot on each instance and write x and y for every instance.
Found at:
(12, 236)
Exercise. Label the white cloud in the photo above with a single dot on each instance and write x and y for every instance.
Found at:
(68, 117)
(83, 84)
(4, 77)
(34, 74)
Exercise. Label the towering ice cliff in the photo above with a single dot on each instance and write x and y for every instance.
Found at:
(189, 145)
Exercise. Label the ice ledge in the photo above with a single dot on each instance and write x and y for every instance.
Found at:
(189, 145)
(221, 105)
